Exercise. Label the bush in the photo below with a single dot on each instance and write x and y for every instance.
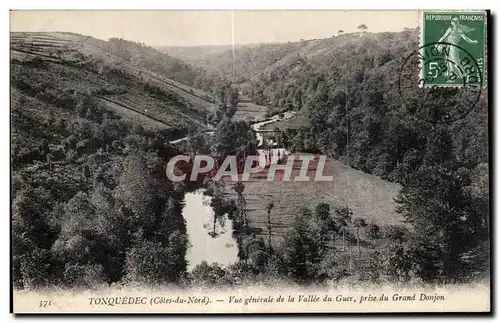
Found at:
(34, 267)
(152, 263)
(79, 275)
(373, 231)
(394, 232)
(209, 275)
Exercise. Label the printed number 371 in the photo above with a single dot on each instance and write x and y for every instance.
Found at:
(45, 303)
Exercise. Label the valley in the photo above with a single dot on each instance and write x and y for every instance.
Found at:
(95, 122)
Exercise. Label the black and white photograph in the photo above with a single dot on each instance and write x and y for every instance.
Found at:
(250, 161)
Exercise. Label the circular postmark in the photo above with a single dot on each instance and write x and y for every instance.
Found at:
(440, 83)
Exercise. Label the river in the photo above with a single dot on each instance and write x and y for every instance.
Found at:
(256, 126)
(199, 221)
(198, 215)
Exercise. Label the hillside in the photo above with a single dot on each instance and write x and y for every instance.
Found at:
(247, 60)
(50, 66)
(367, 196)
(92, 124)
(254, 66)
(194, 54)
(345, 90)
(88, 147)
(77, 110)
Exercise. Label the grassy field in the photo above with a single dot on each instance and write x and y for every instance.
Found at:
(294, 123)
(247, 109)
(368, 196)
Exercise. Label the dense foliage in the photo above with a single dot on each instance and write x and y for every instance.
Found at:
(90, 198)
(91, 203)
(347, 87)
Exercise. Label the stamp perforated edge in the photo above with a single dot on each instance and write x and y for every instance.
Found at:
(421, 44)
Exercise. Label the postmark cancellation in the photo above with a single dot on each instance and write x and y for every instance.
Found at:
(456, 42)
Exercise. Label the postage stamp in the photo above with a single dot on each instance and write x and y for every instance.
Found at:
(440, 103)
(441, 81)
(456, 37)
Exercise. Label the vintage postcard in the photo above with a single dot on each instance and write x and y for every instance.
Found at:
(250, 161)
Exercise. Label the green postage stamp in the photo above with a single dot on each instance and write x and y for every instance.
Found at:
(455, 42)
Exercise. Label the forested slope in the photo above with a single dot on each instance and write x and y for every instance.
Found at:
(347, 88)
(89, 195)
(90, 200)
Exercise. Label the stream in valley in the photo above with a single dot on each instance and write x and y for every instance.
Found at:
(198, 215)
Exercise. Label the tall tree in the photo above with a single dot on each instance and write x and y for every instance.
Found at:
(358, 224)
(269, 207)
(326, 223)
(301, 253)
(32, 236)
(239, 188)
(343, 216)
(439, 206)
(373, 231)
(135, 191)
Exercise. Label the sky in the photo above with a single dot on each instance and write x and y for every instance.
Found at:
(191, 28)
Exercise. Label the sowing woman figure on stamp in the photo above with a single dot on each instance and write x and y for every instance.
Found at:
(453, 35)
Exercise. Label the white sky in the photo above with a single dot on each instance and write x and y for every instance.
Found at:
(187, 28)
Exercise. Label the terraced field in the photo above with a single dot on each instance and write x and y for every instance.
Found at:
(66, 62)
(368, 196)
(247, 109)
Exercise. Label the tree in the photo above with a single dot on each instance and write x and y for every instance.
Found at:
(359, 223)
(83, 105)
(78, 238)
(239, 188)
(340, 32)
(394, 233)
(269, 207)
(343, 216)
(362, 28)
(135, 191)
(302, 251)
(220, 206)
(50, 118)
(395, 263)
(178, 243)
(233, 138)
(49, 158)
(440, 208)
(31, 221)
(373, 231)
(86, 171)
(171, 220)
(439, 148)
(208, 275)
(257, 253)
(34, 268)
(83, 275)
(151, 263)
(326, 223)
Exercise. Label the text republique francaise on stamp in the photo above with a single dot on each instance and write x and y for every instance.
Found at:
(441, 81)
